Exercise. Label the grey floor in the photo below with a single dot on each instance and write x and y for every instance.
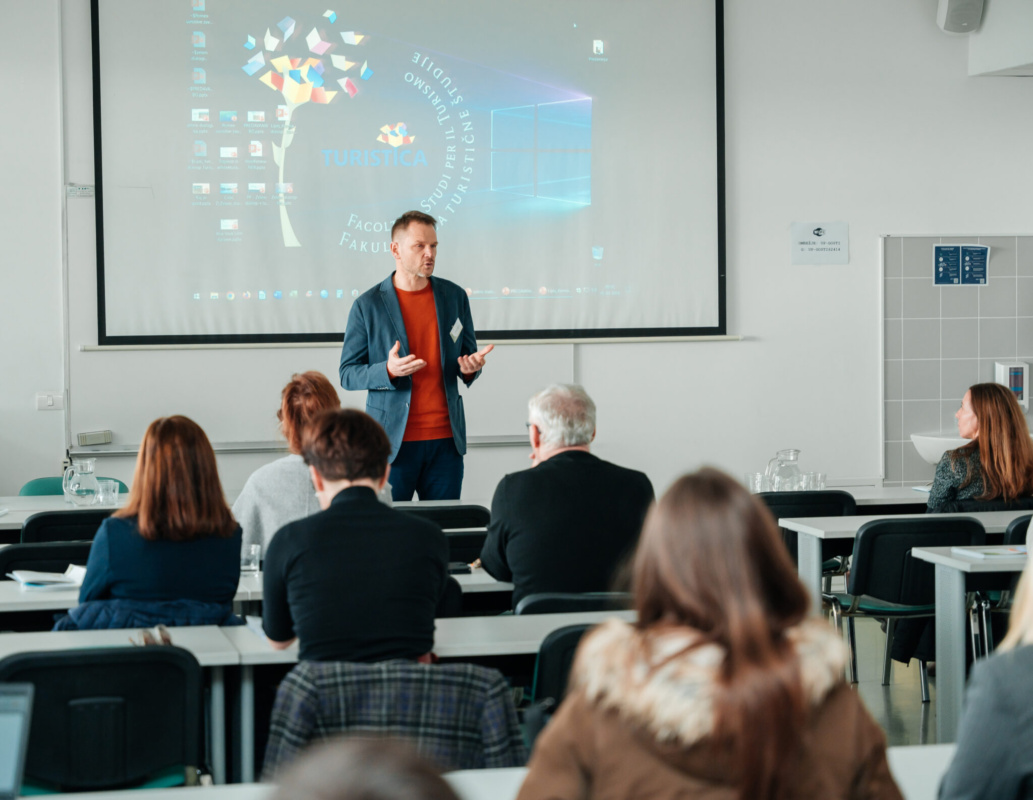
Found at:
(898, 708)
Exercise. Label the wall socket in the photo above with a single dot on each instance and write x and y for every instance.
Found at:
(50, 401)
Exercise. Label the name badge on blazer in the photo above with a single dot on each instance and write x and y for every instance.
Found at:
(456, 330)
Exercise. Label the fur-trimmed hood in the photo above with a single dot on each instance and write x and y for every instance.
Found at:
(675, 702)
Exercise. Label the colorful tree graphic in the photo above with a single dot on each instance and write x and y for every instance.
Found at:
(299, 81)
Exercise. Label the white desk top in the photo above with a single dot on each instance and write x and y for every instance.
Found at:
(918, 770)
(846, 527)
(14, 598)
(455, 637)
(21, 508)
(889, 496)
(207, 642)
(943, 555)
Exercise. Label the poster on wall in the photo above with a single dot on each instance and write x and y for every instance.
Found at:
(960, 264)
(820, 243)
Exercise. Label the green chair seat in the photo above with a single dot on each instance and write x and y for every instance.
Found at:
(879, 608)
(51, 486)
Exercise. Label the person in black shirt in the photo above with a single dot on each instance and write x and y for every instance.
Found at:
(567, 524)
(357, 581)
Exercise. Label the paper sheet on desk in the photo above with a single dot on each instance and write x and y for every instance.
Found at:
(254, 624)
(30, 580)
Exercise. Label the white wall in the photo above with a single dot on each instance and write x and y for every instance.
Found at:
(31, 442)
(834, 111)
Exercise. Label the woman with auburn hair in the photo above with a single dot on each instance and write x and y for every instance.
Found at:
(994, 757)
(724, 687)
(171, 555)
(281, 492)
(998, 463)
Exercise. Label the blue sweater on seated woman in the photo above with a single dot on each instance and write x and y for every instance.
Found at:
(130, 579)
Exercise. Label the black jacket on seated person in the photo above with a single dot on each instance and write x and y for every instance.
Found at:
(565, 525)
(356, 582)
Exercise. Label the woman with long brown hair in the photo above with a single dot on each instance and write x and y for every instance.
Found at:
(171, 555)
(997, 464)
(724, 687)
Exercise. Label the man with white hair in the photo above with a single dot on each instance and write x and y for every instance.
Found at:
(566, 524)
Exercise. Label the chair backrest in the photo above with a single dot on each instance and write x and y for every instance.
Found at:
(52, 486)
(44, 557)
(457, 516)
(64, 526)
(459, 716)
(555, 657)
(823, 503)
(465, 545)
(568, 602)
(110, 718)
(1017, 529)
(883, 567)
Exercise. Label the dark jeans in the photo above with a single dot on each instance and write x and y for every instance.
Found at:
(433, 469)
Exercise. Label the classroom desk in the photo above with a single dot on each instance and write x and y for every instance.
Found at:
(455, 637)
(21, 508)
(917, 771)
(14, 598)
(953, 575)
(813, 529)
(207, 643)
(898, 497)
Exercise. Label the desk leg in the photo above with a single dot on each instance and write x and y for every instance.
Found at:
(247, 724)
(808, 554)
(950, 651)
(218, 717)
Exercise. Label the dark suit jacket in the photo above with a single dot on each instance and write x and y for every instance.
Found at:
(565, 525)
(356, 582)
(374, 325)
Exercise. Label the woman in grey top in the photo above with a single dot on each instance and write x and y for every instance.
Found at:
(997, 464)
(994, 759)
(282, 492)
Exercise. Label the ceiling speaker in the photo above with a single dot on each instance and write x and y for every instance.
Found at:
(959, 16)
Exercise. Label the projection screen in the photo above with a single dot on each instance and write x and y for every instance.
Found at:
(253, 154)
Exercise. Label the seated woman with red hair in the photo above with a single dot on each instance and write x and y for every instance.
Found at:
(171, 556)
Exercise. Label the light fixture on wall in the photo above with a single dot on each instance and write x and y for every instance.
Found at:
(959, 16)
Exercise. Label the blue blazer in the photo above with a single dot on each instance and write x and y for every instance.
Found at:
(374, 325)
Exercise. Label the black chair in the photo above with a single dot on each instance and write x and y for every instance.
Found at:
(991, 601)
(45, 557)
(1015, 533)
(887, 582)
(823, 503)
(970, 506)
(551, 670)
(111, 718)
(566, 603)
(63, 526)
(457, 516)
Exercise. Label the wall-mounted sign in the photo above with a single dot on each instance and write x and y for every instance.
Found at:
(959, 264)
(820, 243)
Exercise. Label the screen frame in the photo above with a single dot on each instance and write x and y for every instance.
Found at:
(552, 334)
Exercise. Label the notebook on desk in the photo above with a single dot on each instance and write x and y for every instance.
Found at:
(15, 716)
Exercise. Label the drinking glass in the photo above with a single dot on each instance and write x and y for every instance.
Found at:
(250, 557)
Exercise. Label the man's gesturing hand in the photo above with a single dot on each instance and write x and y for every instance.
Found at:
(468, 365)
(399, 367)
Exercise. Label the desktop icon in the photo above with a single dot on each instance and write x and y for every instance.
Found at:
(199, 115)
(324, 294)
(230, 295)
(227, 116)
(293, 293)
(246, 295)
(256, 188)
(256, 116)
(200, 148)
(202, 188)
(213, 296)
(197, 38)
(227, 188)
(255, 148)
(197, 5)
(228, 225)
(340, 294)
(308, 293)
(227, 152)
(282, 113)
(597, 253)
(261, 294)
(197, 295)
(277, 295)
(285, 188)
(598, 47)
(199, 76)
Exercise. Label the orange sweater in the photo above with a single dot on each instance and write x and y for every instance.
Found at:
(428, 408)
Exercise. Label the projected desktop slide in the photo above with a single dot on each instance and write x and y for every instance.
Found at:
(254, 156)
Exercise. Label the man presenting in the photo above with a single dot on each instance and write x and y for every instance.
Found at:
(566, 525)
(407, 341)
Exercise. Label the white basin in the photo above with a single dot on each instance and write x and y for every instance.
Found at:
(932, 446)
